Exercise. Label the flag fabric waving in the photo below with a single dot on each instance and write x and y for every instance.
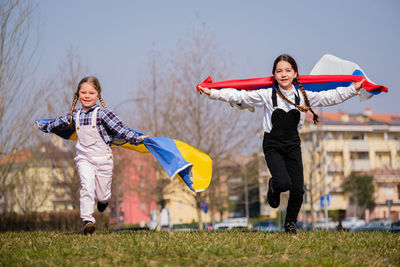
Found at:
(330, 72)
(192, 166)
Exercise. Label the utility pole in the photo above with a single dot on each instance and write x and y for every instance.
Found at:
(246, 195)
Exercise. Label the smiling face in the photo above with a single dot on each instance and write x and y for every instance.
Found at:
(88, 96)
(284, 74)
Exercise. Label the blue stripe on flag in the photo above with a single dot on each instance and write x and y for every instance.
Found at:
(168, 155)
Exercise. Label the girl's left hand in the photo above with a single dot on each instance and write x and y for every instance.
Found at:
(144, 137)
(358, 85)
(205, 90)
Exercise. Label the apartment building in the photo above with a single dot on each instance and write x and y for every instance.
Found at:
(36, 181)
(342, 143)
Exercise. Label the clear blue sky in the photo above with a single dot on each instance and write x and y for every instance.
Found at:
(113, 38)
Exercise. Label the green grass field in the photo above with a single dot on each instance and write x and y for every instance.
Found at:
(200, 248)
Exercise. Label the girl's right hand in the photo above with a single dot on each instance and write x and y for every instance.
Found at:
(358, 86)
(205, 90)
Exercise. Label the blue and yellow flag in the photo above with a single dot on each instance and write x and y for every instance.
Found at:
(192, 166)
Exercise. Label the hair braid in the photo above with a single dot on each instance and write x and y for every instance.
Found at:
(301, 108)
(303, 92)
(71, 121)
(102, 102)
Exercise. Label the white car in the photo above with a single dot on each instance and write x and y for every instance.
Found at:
(329, 225)
(232, 223)
(352, 222)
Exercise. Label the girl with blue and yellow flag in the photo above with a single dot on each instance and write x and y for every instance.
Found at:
(96, 129)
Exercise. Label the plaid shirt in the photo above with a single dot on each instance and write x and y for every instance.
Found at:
(108, 124)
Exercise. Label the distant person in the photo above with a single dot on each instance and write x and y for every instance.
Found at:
(165, 217)
(339, 227)
(95, 127)
(285, 110)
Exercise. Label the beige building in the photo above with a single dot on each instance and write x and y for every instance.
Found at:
(343, 143)
(35, 182)
(387, 190)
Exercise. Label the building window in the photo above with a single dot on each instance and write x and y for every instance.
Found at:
(329, 136)
(234, 197)
(180, 204)
(388, 190)
(359, 155)
(235, 180)
(142, 206)
(398, 191)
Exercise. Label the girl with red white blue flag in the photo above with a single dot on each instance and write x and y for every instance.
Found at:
(286, 97)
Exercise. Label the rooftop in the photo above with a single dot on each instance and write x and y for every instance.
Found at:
(365, 118)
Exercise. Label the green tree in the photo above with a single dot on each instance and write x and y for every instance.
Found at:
(360, 190)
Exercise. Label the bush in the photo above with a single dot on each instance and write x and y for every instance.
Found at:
(68, 220)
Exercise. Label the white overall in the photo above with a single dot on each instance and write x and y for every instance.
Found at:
(95, 164)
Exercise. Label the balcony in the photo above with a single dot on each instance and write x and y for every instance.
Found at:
(335, 167)
(360, 165)
(358, 145)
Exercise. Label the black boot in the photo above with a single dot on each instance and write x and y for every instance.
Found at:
(88, 227)
(290, 227)
(273, 197)
(101, 206)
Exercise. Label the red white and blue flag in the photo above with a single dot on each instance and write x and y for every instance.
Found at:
(330, 72)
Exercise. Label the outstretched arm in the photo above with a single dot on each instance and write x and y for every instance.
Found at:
(334, 96)
(55, 125)
(250, 98)
(117, 127)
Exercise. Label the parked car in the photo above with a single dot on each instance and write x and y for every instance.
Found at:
(351, 222)
(178, 227)
(329, 225)
(303, 226)
(395, 227)
(267, 226)
(379, 224)
(232, 223)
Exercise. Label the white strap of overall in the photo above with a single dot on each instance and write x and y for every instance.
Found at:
(77, 119)
(94, 117)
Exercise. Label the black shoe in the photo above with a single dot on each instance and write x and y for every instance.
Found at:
(273, 197)
(290, 227)
(88, 227)
(101, 206)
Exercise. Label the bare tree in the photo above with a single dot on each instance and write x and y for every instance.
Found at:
(152, 117)
(62, 89)
(18, 92)
(213, 127)
(245, 185)
(312, 166)
(174, 109)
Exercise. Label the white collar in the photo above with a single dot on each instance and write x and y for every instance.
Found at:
(289, 92)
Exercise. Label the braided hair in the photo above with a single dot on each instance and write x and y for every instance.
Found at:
(93, 81)
(293, 63)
